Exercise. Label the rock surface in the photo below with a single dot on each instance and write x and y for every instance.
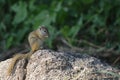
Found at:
(50, 65)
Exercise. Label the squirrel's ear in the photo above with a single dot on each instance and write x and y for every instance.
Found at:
(41, 26)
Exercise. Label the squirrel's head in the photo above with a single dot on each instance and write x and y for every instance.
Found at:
(43, 32)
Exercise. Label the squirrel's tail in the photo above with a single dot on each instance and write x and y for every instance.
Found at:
(14, 60)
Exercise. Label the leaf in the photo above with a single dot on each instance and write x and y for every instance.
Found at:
(21, 33)
(75, 29)
(44, 18)
(21, 12)
(31, 5)
(9, 42)
(65, 30)
(58, 7)
(2, 26)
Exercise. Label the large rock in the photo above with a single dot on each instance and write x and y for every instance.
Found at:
(50, 65)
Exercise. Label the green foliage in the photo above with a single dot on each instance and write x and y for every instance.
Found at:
(95, 21)
(20, 10)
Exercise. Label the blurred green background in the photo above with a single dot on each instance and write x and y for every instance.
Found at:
(82, 23)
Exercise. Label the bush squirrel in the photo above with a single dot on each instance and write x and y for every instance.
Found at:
(35, 39)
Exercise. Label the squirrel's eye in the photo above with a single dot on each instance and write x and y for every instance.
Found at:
(44, 30)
